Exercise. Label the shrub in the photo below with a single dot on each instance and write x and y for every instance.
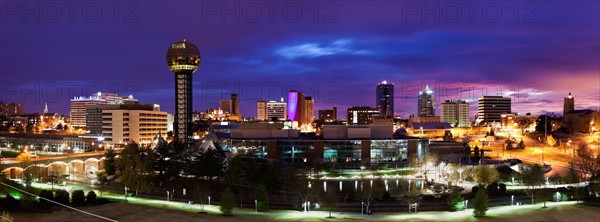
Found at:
(10, 202)
(48, 194)
(91, 197)
(456, 201)
(262, 197)
(78, 197)
(62, 196)
(227, 202)
(480, 203)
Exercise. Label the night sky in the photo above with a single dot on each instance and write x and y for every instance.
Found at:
(537, 56)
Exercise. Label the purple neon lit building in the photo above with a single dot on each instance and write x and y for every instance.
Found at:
(292, 105)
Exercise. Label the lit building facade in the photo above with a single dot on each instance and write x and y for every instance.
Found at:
(309, 110)
(426, 103)
(138, 124)
(235, 104)
(261, 110)
(491, 108)
(456, 113)
(183, 59)
(227, 106)
(352, 145)
(328, 115)
(580, 121)
(362, 115)
(11, 109)
(277, 110)
(79, 105)
(385, 100)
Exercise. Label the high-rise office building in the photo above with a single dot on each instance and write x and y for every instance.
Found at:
(362, 115)
(385, 100)
(491, 108)
(277, 110)
(183, 59)
(79, 104)
(261, 110)
(455, 112)
(11, 109)
(309, 110)
(569, 105)
(227, 106)
(426, 103)
(328, 115)
(132, 123)
(235, 104)
(297, 110)
(93, 119)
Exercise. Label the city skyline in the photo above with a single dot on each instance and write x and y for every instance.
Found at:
(344, 59)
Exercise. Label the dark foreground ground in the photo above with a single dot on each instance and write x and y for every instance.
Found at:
(139, 213)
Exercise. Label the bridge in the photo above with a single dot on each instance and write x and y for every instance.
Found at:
(77, 165)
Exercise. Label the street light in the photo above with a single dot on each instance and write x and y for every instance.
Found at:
(126, 193)
(512, 200)
(362, 204)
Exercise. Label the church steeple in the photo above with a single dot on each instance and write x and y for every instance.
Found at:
(568, 106)
(46, 109)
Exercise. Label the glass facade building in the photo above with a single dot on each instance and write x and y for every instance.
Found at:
(337, 151)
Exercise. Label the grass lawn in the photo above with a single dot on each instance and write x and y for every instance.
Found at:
(155, 211)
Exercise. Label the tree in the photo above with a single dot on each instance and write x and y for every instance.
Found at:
(584, 160)
(136, 167)
(416, 164)
(369, 191)
(524, 123)
(29, 128)
(456, 201)
(410, 195)
(205, 163)
(235, 171)
(201, 192)
(295, 181)
(227, 202)
(541, 122)
(521, 145)
(167, 158)
(485, 174)
(448, 136)
(509, 144)
(110, 165)
(329, 201)
(480, 203)
(262, 198)
(78, 197)
(571, 176)
(91, 197)
(532, 177)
